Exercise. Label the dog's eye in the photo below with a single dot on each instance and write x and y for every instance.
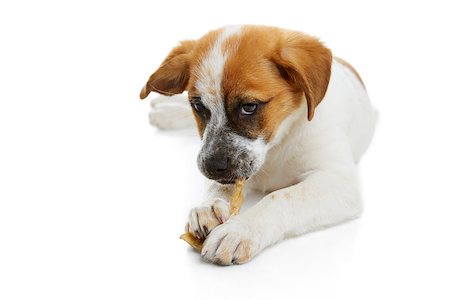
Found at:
(248, 109)
(197, 105)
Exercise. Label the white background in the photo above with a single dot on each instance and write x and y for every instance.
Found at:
(93, 199)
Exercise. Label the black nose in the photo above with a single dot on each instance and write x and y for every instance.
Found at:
(217, 165)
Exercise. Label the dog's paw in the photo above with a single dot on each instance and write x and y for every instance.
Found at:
(231, 243)
(203, 219)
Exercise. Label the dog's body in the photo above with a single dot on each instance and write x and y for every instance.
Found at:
(304, 158)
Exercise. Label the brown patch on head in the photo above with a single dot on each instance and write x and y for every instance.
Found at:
(274, 68)
(350, 67)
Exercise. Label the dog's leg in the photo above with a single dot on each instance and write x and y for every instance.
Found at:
(325, 197)
(212, 212)
(171, 113)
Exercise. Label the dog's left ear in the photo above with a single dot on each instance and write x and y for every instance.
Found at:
(173, 75)
(305, 63)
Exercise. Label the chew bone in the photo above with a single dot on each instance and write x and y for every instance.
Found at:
(238, 197)
(195, 243)
(235, 205)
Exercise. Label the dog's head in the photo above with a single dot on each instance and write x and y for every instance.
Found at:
(243, 82)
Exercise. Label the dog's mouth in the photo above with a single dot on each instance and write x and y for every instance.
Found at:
(229, 181)
(226, 181)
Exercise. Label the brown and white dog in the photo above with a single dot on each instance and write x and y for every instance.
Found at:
(255, 93)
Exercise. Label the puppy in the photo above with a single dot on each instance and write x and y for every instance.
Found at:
(255, 93)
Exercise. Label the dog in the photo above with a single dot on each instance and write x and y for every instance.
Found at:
(275, 107)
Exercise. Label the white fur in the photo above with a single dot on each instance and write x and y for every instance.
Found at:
(209, 82)
(309, 175)
(258, 147)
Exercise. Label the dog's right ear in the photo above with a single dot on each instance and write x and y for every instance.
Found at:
(173, 75)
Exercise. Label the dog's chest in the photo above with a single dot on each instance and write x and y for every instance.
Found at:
(276, 173)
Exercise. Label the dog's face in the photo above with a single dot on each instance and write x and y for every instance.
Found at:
(243, 82)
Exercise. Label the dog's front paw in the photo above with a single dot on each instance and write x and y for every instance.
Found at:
(203, 219)
(231, 243)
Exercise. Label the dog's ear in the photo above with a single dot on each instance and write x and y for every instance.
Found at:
(305, 63)
(173, 75)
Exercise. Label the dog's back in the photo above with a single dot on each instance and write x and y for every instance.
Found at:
(347, 103)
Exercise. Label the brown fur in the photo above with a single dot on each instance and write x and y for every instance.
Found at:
(277, 68)
(173, 74)
(306, 63)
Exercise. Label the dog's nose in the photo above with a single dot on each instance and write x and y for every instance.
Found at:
(217, 165)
